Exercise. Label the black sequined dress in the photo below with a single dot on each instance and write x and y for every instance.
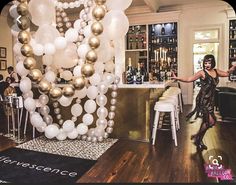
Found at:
(205, 98)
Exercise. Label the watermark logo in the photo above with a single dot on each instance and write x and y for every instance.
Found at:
(215, 167)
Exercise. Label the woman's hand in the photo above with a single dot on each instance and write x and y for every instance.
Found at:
(173, 76)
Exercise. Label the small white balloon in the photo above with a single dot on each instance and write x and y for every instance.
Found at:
(60, 43)
(90, 106)
(92, 92)
(51, 131)
(82, 129)
(71, 35)
(95, 79)
(76, 110)
(49, 49)
(73, 134)
(87, 119)
(61, 136)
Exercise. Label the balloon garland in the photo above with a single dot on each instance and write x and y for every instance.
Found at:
(60, 54)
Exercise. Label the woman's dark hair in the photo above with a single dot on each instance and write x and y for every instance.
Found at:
(209, 58)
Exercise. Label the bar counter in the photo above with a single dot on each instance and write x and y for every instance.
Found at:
(134, 110)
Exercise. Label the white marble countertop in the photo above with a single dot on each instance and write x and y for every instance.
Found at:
(146, 85)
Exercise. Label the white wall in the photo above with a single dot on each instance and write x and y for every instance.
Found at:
(189, 19)
(6, 41)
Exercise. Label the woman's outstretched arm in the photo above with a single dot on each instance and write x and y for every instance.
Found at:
(226, 73)
(196, 76)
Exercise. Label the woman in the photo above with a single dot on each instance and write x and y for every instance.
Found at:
(209, 78)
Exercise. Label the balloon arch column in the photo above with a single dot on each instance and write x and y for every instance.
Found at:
(81, 53)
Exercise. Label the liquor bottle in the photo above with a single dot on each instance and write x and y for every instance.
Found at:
(231, 25)
(139, 78)
(129, 73)
(173, 29)
(163, 31)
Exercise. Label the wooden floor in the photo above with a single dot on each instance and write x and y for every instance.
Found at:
(134, 161)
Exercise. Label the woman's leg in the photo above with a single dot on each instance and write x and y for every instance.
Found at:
(206, 124)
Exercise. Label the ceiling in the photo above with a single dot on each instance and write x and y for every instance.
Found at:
(165, 5)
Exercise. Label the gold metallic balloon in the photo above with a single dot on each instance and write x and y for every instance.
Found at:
(91, 56)
(98, 13)
(27, 50)
(23, 22)
(94, 42)
(78, 83)
(29, 63)
(97, 28)
(44, 86)
(35, 75)
(55, 93)
(22, 9)
(100, 2)
(24, 37)
(68, 91)
(87, 70)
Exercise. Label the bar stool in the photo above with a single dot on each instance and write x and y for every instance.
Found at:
(164, 106)
(174, 100)
(178, 91)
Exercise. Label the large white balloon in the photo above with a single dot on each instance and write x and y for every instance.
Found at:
(112, 27)
(101, 100)
(42, 11)
(67, 57)
(92, 92)
(30, 104)
(65, 101)
(81, 93)
(76, 110)
(73, 134)
(95, 79)
(90, 106)
(25, 85)
(61, 135)
(51, 131)
(118, 5)
(46, 34)
(68, 126)
(71, 35)
(60, 43)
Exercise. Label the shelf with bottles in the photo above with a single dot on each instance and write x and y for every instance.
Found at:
(136, 38)
(232, 47)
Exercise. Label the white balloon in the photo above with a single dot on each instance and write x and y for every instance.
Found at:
(77, 24)
(102, 112)
(112, 27)
(68, 126)
(71, 35)
(77, 71)
(51, 131)
(101, 122)
(30, 104)
(15, 30)
(101, 100)
(95, 79)
(60, 43)
(42, 12)
(102, 88)
(28, 94)
(87, 119)
(82, 50)
(42, 127)
(43, 99)
(65, 101)
(92, 92)
(50, 76)
(13, 11)
(118, 5)
(25, 85)
(99, 131)
(81, 93)
(47, 59)
(67, 75)
(20, 69)
(108, 78)
(87, 31)
(38, 49)
(110, 66)
(49, 49)
(99, 67)
(36, 120)
(90, 106)
(73, 134)
(46, 34)
(82, 129)
(17, 48)
(61, 136)
(76, 110)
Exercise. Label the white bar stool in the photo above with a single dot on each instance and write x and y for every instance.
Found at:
(178, 91)
(174, 100)
(164, 106)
